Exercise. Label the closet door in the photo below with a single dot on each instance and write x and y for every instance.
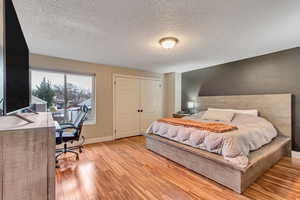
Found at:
(151, 102)
(127, 103)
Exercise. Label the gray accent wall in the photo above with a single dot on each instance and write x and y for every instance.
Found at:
(268, 74)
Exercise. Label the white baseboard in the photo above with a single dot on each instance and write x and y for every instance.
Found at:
(89, 141)
(98, 139)
(295, 154)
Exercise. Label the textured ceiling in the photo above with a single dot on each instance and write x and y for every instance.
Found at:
(126, 32)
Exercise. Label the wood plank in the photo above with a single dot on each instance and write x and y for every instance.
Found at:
(125, 169)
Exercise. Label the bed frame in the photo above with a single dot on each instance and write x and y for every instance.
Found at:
(275, 107)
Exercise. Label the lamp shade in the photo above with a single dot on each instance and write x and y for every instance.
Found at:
(190, 105)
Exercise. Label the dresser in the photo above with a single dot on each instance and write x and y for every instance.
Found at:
(27, 158)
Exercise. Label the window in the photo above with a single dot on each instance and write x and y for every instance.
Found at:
(62, 94)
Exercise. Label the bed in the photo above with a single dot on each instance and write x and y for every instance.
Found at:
(275, 108)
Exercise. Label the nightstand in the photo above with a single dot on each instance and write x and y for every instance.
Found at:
(180, 115)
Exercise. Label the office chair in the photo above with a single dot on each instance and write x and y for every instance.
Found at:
(70, 132)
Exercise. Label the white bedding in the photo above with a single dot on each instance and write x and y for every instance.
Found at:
(252, 133)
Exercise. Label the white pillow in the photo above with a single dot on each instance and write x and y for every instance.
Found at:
(249, 112)
(217, 115)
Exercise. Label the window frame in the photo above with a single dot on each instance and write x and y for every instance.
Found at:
(65, 74)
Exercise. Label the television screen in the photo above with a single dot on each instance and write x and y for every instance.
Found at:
(1, 57)
(14, 63)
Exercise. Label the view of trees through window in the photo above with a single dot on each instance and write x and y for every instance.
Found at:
(62, 94)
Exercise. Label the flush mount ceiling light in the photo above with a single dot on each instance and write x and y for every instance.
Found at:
(168, 42)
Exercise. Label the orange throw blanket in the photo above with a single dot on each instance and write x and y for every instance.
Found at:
(208, 126)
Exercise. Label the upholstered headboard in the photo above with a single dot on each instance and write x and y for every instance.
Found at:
(277, 108)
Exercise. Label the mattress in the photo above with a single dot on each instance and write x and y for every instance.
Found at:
(253, 132)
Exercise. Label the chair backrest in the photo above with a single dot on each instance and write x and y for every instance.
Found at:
(78, 123)
(80, 115)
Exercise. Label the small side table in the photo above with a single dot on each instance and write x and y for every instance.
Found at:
(178, 115)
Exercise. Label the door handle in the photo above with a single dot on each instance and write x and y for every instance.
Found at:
(142, 110)
(139, 110)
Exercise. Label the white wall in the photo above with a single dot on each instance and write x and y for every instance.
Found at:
(172, 93)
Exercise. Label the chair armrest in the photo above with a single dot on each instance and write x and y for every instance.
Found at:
(60, 132)
(66, 125)
(59, 137)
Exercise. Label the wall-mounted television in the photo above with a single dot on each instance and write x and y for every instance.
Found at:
(14, 61)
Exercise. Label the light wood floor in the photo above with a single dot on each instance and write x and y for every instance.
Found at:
(124, 169)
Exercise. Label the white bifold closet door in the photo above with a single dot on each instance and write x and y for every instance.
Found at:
(127, 102)
(151, 102)
(138, 102)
